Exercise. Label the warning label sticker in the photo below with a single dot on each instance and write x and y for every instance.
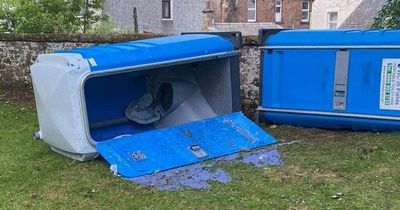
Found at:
(390, 85)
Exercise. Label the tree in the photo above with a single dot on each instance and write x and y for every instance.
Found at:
(7, 8)
(388, 16)
(47, 16)
(51, 16)
(92, 14)
(229, 9)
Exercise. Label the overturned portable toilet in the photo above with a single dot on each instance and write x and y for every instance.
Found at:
(145, 106)
(337, 79)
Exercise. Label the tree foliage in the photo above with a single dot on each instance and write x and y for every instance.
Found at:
(50, 16)
(91, 13)
(46, 16)
(7, 7)
(388, 16)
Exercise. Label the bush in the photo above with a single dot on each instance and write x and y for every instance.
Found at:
(7, 18)
(104, 27)
(49, 16)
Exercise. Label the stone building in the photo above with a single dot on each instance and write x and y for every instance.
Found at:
(284, 13)
(157, 16)
(363, 16)
(176, 16)
(330, 14)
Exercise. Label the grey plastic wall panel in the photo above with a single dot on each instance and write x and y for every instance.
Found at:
(341, 77)
(214, 79)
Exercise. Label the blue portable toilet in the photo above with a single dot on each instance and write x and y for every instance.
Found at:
(145, 106)
(336, 79)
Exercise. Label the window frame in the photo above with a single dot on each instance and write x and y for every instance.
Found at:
(305, 10)
(170, 10)
(252, 10)
(278, 19)
(330, 22)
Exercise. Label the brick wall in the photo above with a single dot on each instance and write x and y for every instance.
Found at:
(291, 16)
(291, 12)
(265, 10)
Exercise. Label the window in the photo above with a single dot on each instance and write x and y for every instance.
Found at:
(332, 20)
(251, 10)
(305, 11)
(166, 9)
(278, 11)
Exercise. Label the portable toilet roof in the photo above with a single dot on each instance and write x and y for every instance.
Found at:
(154, 51)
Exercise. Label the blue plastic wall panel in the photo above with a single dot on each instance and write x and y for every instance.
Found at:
(303, 79)
(168, 148)
(104, 103)
(129, 54)
(298, 79)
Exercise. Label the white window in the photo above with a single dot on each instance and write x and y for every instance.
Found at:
(167, 9)
(305, 11)
(278, 11)
(332, 20)
(251, 10)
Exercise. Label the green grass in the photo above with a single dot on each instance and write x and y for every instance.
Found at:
(365, 167)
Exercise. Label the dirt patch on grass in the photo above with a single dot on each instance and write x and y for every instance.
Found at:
(287, 173)
(20, 96)
(292, 172)
(290, 133)
(327, 175)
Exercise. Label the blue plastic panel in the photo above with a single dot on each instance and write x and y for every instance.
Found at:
(365, 80)
(334, 37)
(168, 148)
(303, 79)
(332, 122)
(129, 54)
(107, 97)
(298, 79)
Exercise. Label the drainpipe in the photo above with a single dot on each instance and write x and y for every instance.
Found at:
(208, 17)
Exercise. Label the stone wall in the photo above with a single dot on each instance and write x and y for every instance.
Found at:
(18, 52)
(250, 72)
(17, 56)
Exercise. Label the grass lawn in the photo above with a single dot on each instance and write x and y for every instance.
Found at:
(364, 167)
